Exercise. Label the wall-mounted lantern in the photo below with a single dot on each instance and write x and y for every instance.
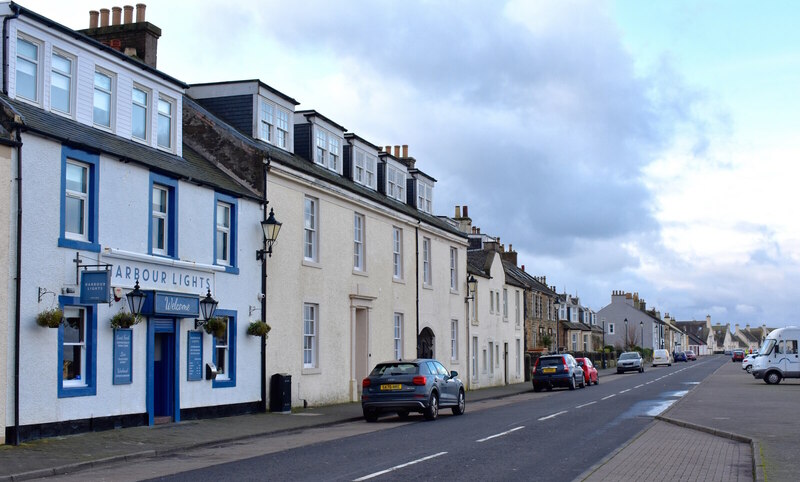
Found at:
(208, 306)
(271, 228)
(136, 299)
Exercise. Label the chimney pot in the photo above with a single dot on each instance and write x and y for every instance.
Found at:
(94, 18)
(479, 230)
(523, 267)
(140, 9)
(116, 15)
(397, 151)
(458, 212)
(127, 16)
(466, 213)
(405, 150)
(510, 247)
(104, 17)
(388, 149)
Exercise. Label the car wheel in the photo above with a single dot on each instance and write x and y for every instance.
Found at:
(537, 388)
(597, 380)
(669, 365)
(403, 414)
(433, 407)
(773, 378)
(749, 369)
(572, 383)
(583, 382)
(370, 415)
(619, 371)
(462, 404)
(549, 388)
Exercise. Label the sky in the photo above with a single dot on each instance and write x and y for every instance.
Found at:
(617, 145)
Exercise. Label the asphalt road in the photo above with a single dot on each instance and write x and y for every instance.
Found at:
(536, 436)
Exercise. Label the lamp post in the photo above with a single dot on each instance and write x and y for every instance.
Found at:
(641, 325)
(626, 334)
(557, 302)
(603, 348)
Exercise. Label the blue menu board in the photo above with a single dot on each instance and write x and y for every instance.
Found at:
(123, 356)
(194, 356)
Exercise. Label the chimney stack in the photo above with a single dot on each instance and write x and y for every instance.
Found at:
(466, 212)
(397, 151)
(458, 212)
(405, 150)
(139, 40)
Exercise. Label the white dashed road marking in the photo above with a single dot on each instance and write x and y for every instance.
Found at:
(585, 404)
(376, 474)
(553, 415)
(606, 398)
(500, 434)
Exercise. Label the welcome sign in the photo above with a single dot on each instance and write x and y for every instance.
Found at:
(172, 304)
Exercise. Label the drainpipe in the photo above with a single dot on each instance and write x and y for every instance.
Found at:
(416, 272)
(14, 8)
(263, 406)
(18, 284)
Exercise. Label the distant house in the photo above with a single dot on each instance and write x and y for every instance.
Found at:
(630, 324)
(701, 337)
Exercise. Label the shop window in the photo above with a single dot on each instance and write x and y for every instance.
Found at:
(224, 351)
(77, 353)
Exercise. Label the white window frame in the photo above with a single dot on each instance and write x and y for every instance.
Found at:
(505, 304)
(109, 92)
(321, 151)
(358, 243)
(37, 62)
(74, 312)
(397, 253)
(491, 301)
(163, 216)
(518, 365)
(223, 352)
(311, 229)
(266, 120)
(225, 231)
(334, 153)
(82, 196)
(282, 128)
(474, 357)
(170, 118)
(453, 269)
(146, 106)
(517, 308)
(310, 335)
(398, 336)
(426, 262)
(395, 183)
(424, 197)
(453, 340)
(491, 358)
(70, 77)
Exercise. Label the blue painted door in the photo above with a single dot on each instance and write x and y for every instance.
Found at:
(163, 374)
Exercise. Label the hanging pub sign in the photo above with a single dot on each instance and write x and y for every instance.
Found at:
(95, 287)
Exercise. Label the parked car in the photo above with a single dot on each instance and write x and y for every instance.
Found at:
(661, 357)
(747, 363)
(680, 356)
(690, 355)
(557, 371)
(738, 355)
(422, 385)
(590, 374)
(630, 361)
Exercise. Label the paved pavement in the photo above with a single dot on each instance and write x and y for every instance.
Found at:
(722, 457)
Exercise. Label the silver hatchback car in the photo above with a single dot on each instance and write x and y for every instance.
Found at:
(630, 361)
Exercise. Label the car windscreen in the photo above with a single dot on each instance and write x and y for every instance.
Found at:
(766, 348)
(629, 356)
(551, 361)
(394, 369)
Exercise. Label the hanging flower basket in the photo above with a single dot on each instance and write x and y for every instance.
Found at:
(258, 328)
(50, 318)
(123, 319)
(216, 326)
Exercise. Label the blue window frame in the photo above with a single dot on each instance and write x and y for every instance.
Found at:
(162, 239)
(225, 232)
(79, 200)
(77, 349)
(224, 352)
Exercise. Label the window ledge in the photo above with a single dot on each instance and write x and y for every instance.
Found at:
(454, 292)
(75, 244)
(398, 280)
(230, 269)
(359, 272)
(311, 264)
(427, 287)
(223, 383)
(311, 371)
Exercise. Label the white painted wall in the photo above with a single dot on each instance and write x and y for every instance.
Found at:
(123, 225)
(7, 194)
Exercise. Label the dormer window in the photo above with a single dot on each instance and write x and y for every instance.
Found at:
(425, 197)
(165, 109)
(139, 103)
(395, 183)
(27, 70)
(103, 93)
(365, 168)
(266, 121)
(328, 150)
(282, 129)
(333, 153)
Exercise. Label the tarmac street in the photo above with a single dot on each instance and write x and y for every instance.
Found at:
(693, 413)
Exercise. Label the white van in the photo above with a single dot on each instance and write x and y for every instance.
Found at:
(662, 357)
(779, 357)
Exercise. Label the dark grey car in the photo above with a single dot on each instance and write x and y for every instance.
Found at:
(557, 371)
(404, 386)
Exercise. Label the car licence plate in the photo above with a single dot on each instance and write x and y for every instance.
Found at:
(392, 386)
(548, 370)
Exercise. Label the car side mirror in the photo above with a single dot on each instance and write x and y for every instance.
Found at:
(453, 374)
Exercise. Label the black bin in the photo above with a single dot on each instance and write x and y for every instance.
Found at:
(280, 393)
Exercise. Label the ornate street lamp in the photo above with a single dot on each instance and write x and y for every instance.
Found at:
(472, 286)
(136, 299)
(271, 228)
(208, 306)
(641, 325)
(626, 334)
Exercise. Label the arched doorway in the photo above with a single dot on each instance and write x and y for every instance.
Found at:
(425, 343)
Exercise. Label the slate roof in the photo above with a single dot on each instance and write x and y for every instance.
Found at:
(697, 329)
(208, 134)
(575, 326)
(480, 263)
(719, 335)
(514, 275)
(749, 336)
(694, 340)
(191, 167)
